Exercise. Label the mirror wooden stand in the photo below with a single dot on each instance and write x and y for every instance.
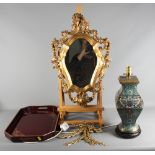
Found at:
(64, 109)
(81, 58)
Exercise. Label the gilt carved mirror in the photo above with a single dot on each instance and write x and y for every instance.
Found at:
(81, 57)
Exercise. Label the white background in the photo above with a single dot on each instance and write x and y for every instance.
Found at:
(26, 74)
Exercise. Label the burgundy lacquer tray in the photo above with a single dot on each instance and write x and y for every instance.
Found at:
(33, 123)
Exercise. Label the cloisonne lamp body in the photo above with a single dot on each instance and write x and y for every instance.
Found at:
(129, 105)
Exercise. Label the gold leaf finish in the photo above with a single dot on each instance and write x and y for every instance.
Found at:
(101, 46)
(84, 131)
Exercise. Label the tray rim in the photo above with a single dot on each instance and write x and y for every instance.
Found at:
(31, 138)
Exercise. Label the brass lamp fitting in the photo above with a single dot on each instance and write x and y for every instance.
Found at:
(128, 71)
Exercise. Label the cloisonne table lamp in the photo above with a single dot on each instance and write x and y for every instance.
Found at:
(129, 105)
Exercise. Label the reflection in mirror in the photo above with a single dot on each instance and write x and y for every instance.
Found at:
(81, 62)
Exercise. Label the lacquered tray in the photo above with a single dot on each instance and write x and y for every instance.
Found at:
(33, 123)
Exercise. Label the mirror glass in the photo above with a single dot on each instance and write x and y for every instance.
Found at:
(81, 62)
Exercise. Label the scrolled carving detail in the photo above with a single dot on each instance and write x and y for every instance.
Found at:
(80, 26)
(82, 98)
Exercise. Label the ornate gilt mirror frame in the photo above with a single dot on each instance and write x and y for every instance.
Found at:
(101, 46)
